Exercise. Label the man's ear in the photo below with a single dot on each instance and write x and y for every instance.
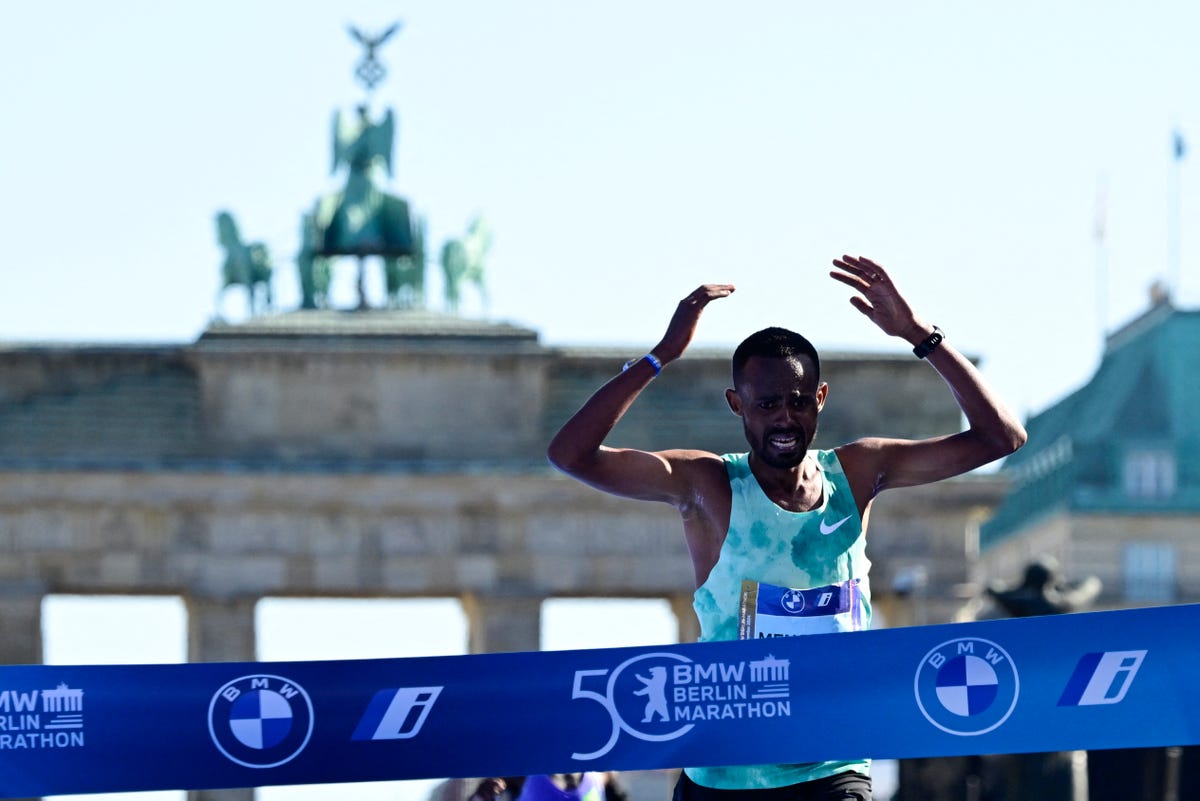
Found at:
(734, 400)
(822, 392)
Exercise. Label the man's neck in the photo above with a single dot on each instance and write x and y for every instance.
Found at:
(796, 489)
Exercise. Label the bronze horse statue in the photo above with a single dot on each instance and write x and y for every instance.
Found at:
(246, 264)
(404, 276)
(462, 261)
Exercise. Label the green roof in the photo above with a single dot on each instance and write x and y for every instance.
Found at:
(1143, 397)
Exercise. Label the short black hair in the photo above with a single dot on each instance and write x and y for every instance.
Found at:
(774, 343)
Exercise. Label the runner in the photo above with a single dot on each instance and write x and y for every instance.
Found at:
(782, 521)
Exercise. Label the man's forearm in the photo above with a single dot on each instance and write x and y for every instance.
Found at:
(580, 438)
(988, 417)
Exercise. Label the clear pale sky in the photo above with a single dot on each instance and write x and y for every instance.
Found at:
(623, 152)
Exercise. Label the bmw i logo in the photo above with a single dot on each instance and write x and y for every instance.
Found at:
(260, 721)
(967, 686)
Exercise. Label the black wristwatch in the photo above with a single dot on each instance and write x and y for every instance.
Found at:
(929, 343)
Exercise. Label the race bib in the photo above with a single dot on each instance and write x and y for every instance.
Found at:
(771, 611)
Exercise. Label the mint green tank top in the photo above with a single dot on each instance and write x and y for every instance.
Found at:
(823, 549)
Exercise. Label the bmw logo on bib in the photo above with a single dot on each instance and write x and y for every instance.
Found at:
(260, 721)
(967, 686)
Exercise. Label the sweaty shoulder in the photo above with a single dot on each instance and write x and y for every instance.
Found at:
(860, 462)
(699, 470)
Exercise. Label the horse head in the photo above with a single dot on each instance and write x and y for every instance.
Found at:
(227, 230)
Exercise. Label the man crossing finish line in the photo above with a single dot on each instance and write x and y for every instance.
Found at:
(782, 521)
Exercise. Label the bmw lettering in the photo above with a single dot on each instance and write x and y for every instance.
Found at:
(260, 721)
(967, 686)
(662, 696)
(46, 718)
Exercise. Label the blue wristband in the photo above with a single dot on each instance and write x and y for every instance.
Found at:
(650, 357)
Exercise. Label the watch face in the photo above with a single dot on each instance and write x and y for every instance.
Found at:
(930, 342)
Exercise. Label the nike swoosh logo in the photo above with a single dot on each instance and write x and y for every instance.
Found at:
(828, 529)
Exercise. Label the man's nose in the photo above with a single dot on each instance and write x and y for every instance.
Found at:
(785, 415)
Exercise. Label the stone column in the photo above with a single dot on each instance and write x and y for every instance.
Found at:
(232, 794)
(221, 630)
(685, 617)
(20, 626)
(20, 623)
(498, 624)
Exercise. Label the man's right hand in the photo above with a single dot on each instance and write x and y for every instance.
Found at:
(683, 323)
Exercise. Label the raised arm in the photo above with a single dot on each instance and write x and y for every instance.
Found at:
(993, 431)
(578, 448)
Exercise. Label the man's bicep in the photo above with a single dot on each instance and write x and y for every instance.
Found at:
(642, 475)
(908, 463)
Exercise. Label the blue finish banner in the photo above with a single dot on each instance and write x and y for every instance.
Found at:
(1081, 681)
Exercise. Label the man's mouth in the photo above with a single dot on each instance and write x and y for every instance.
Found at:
(784, 442)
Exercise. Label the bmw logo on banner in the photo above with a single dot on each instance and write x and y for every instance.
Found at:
(260, 721)
(967, 686)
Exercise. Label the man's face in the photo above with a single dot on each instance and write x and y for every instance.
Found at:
(778, 401)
